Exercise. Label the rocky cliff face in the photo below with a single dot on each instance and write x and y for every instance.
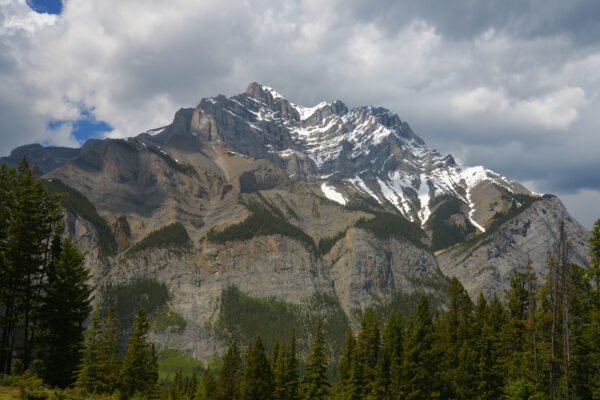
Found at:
(484, 265)
(292, 203)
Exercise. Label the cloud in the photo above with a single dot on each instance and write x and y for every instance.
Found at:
(554, 111)
(513, 85)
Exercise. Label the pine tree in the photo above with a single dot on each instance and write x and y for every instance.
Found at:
(33, 218)
(65, 309)
(257, 383)
(228, 387)
(315, 385)
(8, 273)
(279, 372)
(389, 366)
(394, 339)
(88, 375)
(291, 369)
(516, 336)
(355, 388)
(345, 365)
(593, 274)
(367, 345)
(419, 364)
(207, 389)
(488, 320)
(454, 330)
(139, 372)
(98, 371)
(108, 363)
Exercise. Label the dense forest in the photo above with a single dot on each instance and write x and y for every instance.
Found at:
(541, 340)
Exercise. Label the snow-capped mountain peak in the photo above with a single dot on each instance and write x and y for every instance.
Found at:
(363, 151)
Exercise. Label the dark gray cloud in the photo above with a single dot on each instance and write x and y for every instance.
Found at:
(513, 85)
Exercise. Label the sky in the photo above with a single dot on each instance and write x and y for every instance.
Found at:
(511, 84)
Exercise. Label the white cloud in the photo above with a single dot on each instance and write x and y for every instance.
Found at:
(467, 83)
(554, 111)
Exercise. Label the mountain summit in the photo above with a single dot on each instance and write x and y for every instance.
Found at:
(327, 208)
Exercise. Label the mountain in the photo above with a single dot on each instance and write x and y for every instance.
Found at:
(319, 210)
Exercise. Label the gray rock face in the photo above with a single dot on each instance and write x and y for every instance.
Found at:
(44, 159)
(532, 235)
(367, 268)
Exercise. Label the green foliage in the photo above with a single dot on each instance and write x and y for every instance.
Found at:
(387, 225)
(172, 236)
(164, 319)
(257, 383)
(171, 361)
(77, 203)
(64, 311)
(128, 298)
(98, 372)
(334, 323)
(445, 233)
(326, 244)
(30, 247)
(315, 385)
(244, 317)
(261, 222)
(207, 389)
(230, 375)
(139, 370)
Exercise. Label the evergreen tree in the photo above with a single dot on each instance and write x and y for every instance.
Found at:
(64, 312)
(108, 362)
(98, 371)
(389, 366)
(291, 370)
(367, 346)
(345, 364)
(355, 388)
(315, 385)
(488, 321)
(257, 383)
(279, 372)
(139, 372)
(593, 274)
(88, 375)
(519, 360)
(394, 340)
(228, 387)
(8, 273)
(455, 331)
(32, 219)
(207, 389)
(419, 365)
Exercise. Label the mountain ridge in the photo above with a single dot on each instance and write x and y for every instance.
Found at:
(290, 202)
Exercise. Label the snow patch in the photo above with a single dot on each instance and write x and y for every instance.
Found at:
(307, 112)
(361, 186)
(423, 194)
(332, 194)
(273, 92)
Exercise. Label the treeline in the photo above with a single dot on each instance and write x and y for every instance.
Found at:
(44, 298)
(541, 342)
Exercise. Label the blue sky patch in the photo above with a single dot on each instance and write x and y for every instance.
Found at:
(46, 6)
(84, 128)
